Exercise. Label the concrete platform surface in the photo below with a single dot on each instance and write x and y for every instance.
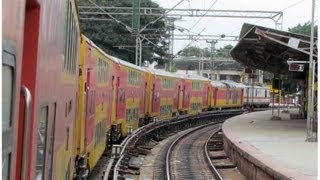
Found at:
(278, 144)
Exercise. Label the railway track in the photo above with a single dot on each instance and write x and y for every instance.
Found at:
(138, 143)
(199, 154)
(221, 166)
(186, 156)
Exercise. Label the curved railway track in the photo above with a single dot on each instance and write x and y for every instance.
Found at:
(186, 157)
(138, 143)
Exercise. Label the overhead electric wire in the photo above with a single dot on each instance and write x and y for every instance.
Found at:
(264, 19)
(152, 22)
(123, 24)
(204, 14)
(189, 43)
(194, 26)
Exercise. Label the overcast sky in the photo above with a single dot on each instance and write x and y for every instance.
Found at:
(294, 12)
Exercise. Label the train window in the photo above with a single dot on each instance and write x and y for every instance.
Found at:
(66, 35)
(70, 45)
(92, 102)
(7, 95)
(51, 141)
(8, 81)
(6, 166)
(70, 24)
(71, 39)
(236, 96)
(74, 46)
(41, 142)
(127, 114)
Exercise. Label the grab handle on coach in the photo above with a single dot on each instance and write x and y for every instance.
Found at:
(26, 140)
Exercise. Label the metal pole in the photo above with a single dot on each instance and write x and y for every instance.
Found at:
(199, 67)
(311, 137)
(137, 49)
(252, 91)
(273, 91)
(202, 62)
(140, 51)
(279, 92)
(213, 49)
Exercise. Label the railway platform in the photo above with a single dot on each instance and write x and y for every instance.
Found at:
(270, 149)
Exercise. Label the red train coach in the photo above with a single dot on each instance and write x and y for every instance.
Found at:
(197, 94)
(131, 96)
(165, 94)
(40, 57)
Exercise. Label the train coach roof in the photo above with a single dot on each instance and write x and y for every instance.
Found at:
(112, 58)
(125, 63)
(100, 50)
(233, 84)
(163, 73)
(218, 84)
(256, 86)
(194, 77)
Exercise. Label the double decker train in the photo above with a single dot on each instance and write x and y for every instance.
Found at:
(64, 99)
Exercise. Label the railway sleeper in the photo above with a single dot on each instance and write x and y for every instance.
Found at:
(146, 147)
(127, 171)
(215, 145)
(220, 148)
(133, 167)
(133, 154)
(143, 151)
(215, 141)
(223, 164)
(218, 157)
(228, 166)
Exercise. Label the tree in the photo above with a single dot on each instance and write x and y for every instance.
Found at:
(195, 51)
(304, 29)
(224, 52)
(114, 38)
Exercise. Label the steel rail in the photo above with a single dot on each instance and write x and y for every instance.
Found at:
(174, 143)
(212, 167)
(148, 128)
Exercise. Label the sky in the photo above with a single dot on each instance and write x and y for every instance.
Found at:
(294, 12)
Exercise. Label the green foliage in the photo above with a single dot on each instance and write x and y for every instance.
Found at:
(304, 29)
(195, 51)
(109, 35)
(198, 52)
(224, 52)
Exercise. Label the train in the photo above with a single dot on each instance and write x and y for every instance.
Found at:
(65, 100)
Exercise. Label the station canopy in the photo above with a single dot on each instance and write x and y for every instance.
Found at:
(269, 49)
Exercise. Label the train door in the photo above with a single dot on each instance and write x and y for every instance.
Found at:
(179, 106)
(145, 104)
(26, 112)
(208, 96)
(227, 95)
(117, 96)
(184, 98)
(215, 97)
(153, 97)
(90, 109)
(241, 97)
(112, 102)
